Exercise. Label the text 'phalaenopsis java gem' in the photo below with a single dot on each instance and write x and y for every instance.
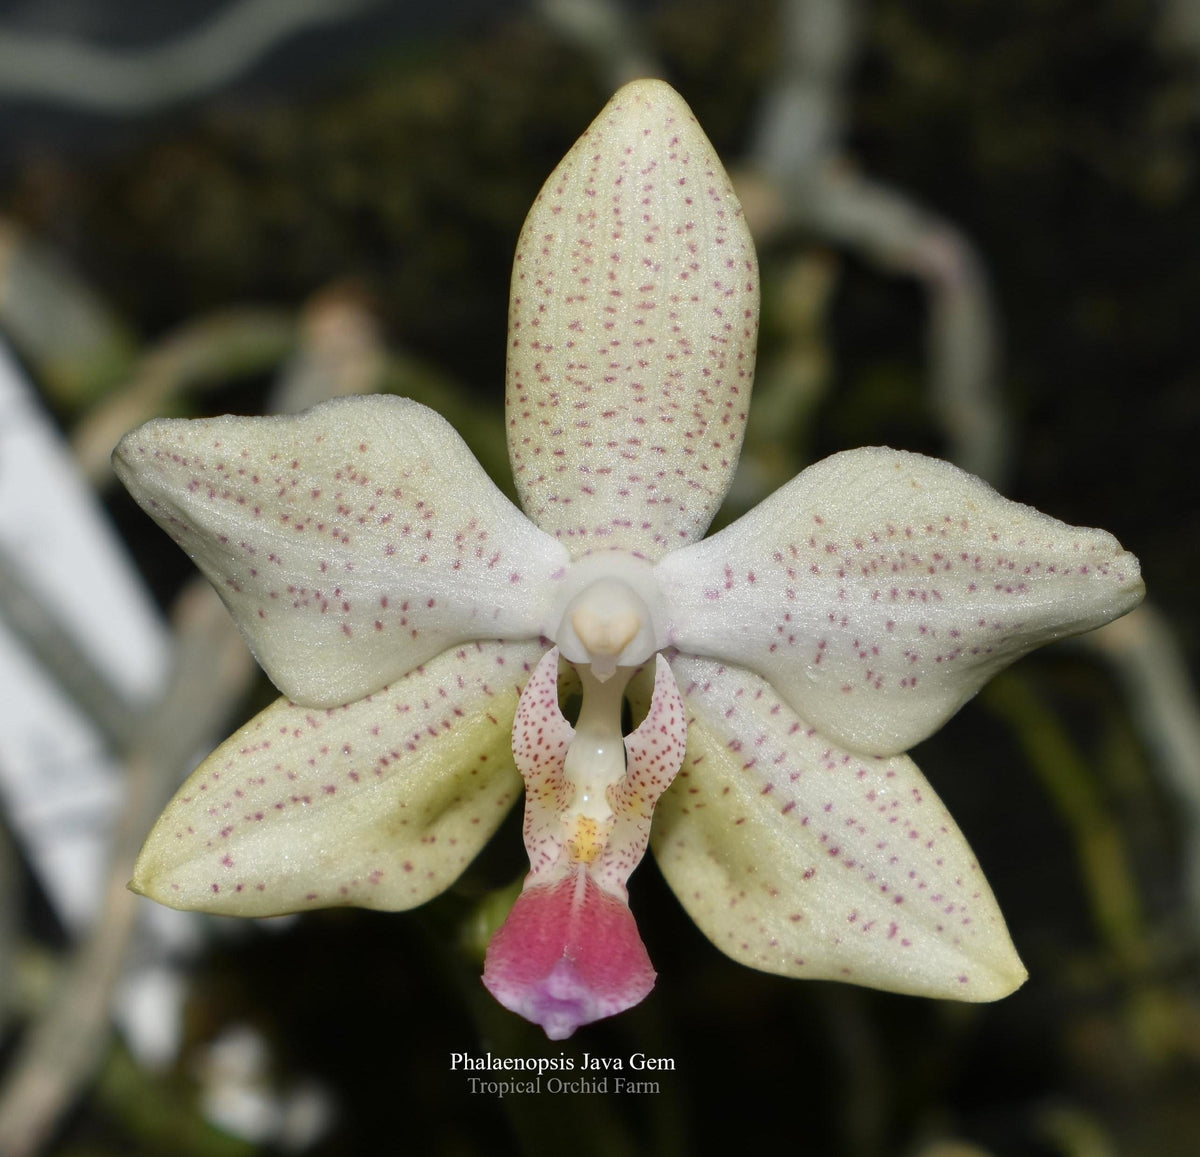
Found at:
(417, 624)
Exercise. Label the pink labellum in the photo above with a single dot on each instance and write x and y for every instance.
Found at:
(568, 954)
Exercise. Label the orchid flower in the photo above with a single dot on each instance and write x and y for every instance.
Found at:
(417, 622)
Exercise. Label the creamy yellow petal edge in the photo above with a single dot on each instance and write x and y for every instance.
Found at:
(797, 857)
(379, 804)
(632, 330)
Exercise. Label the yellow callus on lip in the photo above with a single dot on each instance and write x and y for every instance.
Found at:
(588, 839)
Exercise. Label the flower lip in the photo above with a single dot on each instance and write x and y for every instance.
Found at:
(568, 954)
(609, 613)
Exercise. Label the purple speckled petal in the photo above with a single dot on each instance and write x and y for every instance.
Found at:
(379, 804)
(632, 331)
(351, 542)
(879, 590)
(800, 858)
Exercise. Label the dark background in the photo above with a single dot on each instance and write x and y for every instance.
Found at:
(393, 155)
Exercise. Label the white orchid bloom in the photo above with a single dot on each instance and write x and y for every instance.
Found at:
(415, 621)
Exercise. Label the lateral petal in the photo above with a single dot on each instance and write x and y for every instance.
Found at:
(879, 590)
(378, 804)
(797, 857)
(632, 330)
(350, 542)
